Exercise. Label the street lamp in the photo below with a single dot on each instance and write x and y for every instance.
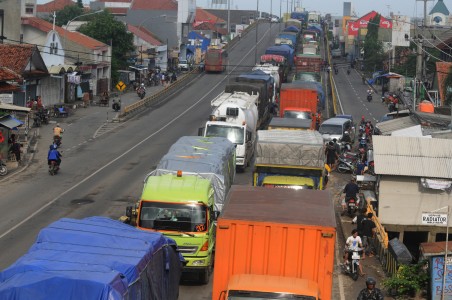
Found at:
(83, 15)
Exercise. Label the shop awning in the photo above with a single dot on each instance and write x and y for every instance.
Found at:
(10, 122)
(6, 106)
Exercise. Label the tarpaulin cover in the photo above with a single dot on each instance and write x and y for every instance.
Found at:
(291, 29)
(290, 36)
(283, 50)
(94, 258)
(290, 147)
(308, 76)
(212, 158)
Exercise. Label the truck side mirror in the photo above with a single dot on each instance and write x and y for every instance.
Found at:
(129, 211)
(201, 131)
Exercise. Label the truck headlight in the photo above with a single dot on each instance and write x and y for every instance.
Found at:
(199, 262)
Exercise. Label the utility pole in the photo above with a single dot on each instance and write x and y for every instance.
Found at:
(257, 26)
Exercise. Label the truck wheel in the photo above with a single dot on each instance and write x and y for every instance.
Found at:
(204, 276)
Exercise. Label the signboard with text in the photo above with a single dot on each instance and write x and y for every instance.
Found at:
(434, 219)
(436, 276)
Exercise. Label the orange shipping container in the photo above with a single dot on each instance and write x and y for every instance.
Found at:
(294, 95)
(278, 232)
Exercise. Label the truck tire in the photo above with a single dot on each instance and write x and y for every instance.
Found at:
(204, 276)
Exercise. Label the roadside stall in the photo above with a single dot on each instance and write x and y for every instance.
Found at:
(14, 120)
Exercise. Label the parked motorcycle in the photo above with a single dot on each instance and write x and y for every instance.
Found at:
(346, 165)
(351, 268)
(117, 105)
(53, 168)
(369, 97)
(3, 168)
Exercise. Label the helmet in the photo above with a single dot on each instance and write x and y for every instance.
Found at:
(362, 118)
(335, 140)
(346, 133)
(142, 84)
(53, 147)
(58, 125)
(370, 281)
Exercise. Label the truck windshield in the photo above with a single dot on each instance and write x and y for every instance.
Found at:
(234, 134)
(173, 216)
(245, 295)
(305, 115)
(330, 129)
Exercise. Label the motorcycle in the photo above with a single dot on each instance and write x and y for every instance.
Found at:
(351, 267)
(53, 168)
(348, 72)
(3, 168)
(117, 106)
(352, 207)
(36, 121)
(57, 141)
(369, 97)
(346, 147)
(141, 93)
(363, 142)
(346, 164)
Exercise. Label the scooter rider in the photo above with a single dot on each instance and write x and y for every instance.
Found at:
(351, 190)
(57, 131)
(53, 155)
(370, 292)
(353, 243)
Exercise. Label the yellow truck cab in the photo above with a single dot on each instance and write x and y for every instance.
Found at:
(181, 207)
(183, 195)
(298, 183)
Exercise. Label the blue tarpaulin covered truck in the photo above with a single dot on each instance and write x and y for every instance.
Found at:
(95, 258)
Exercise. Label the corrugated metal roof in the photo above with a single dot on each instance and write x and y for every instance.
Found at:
(413, 156)
(387, 127)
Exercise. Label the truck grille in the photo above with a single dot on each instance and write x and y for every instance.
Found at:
(188, 249)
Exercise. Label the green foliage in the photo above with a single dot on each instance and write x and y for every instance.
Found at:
(448, 93)
(103, 27)
(80, 3)
(373, 48)
(409, 279)
(66, 14)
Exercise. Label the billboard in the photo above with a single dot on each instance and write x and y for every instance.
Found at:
(400, 27)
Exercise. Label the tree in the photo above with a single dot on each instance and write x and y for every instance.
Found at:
(80, 3)
(373, 48)
(66, 14)
(447, 92)
(103, 27)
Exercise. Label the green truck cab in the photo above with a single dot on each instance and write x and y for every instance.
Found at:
(184, 195)
(289, 159)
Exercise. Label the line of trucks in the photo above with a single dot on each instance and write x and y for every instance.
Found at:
(271, 239)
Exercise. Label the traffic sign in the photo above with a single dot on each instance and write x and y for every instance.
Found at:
(120, 86)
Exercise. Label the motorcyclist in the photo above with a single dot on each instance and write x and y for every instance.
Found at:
(348, 70)
(370, 292)
(346, 138)
(57, 131)
(53, 155)
(353, 243)
(351, 190)
(369, 92)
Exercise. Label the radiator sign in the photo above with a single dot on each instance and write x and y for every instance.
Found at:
(434, 219)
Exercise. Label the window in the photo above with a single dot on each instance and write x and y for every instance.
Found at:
(29, 9)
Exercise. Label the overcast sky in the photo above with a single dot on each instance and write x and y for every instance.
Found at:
(410, 8)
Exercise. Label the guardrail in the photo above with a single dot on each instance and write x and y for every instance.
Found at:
(141, 104)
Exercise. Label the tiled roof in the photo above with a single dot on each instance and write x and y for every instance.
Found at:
(7, 74)
(55, 5)
(117, 10)
(16, 57)
(203, 15)
(117, 1)
(154, 5)
(440, 7)
(8, 88)
(75, 37)
(212, 27)
(144, 34)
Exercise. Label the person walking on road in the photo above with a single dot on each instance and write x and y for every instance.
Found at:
(370, 292)
(368, 228)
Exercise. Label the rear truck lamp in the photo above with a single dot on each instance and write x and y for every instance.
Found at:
(205, 247)
(327, 235)
(199, 262)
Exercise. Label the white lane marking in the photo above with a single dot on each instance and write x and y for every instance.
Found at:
(125, 153)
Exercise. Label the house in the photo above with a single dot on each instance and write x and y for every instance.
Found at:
(26, 61)
(439, 15)
(9, 84)
(169, 20)
(415, 180)
(45, 10)
(118, 8)
(92, 57)
(151, 51)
